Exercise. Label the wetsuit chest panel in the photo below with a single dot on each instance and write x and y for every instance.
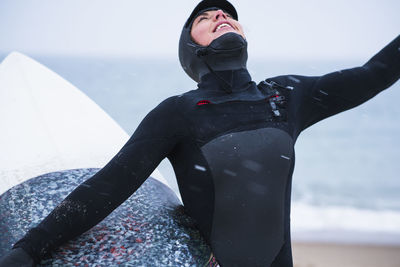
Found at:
(250, 170)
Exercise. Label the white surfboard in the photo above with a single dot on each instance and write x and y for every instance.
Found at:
(48, 125)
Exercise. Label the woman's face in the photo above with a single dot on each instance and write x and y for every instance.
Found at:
(212, 24)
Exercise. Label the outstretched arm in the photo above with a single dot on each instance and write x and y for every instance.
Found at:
(338, 91)
(94, 199)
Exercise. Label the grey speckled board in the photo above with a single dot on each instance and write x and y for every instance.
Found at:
(149, 229)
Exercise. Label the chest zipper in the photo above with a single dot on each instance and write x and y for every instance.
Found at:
(276, 99)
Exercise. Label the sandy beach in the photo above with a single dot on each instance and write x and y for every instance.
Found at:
(337, 255)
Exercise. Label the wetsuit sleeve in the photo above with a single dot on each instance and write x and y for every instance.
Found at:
(338, 91)
(94, 199)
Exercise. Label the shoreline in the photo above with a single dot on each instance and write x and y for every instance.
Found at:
(322, 254)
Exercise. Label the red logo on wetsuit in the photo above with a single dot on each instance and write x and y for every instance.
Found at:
(203, 102)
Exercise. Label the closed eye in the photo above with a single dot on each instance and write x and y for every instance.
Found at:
(206, 16)
(199, 19)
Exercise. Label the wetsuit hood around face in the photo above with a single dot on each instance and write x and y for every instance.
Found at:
(226, 53)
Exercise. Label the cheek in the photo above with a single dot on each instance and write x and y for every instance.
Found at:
(239, 26)
(200, 35)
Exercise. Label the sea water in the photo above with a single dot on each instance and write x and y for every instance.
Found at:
(346, 182)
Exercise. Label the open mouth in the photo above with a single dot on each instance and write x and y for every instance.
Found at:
(223, 25)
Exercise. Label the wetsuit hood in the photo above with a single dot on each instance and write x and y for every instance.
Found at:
(226, 53)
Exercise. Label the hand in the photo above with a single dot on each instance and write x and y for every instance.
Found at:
(17, 258)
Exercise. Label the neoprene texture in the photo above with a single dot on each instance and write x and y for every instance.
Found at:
(245, 176)
(198, 131)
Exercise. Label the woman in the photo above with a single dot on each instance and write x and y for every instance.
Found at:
(231, 143)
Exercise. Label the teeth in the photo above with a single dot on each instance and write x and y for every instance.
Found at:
(222, 25)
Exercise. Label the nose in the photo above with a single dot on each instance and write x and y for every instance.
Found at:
(220, 14)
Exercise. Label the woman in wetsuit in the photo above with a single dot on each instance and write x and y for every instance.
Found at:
(231, 143)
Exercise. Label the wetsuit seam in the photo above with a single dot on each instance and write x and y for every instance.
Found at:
(241, 128)
(214, 197)
(213, 189)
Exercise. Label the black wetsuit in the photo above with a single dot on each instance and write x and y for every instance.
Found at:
(233, 155)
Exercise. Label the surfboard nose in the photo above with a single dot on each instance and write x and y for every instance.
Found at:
(49, 124)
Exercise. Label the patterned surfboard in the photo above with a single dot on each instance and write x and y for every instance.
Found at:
(149, 229)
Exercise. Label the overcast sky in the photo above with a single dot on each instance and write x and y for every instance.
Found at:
(312, 29)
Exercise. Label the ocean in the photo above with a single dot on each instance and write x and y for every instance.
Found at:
(346, 183)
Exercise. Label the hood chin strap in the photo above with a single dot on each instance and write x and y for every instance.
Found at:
(203, 52)
(227, 86)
